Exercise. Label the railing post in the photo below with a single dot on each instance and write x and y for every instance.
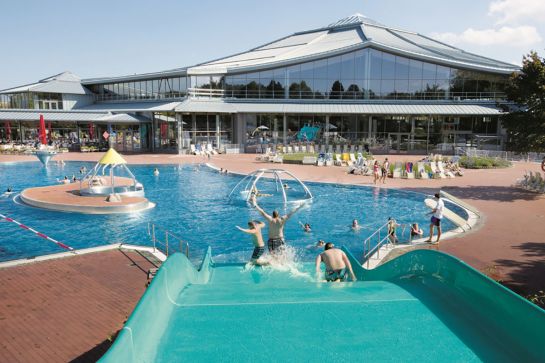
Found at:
(166, 242)
(153, 236)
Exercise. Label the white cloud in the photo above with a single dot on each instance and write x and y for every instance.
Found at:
(515, 11)
(508, 36)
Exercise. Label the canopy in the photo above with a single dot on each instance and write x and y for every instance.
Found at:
(43, 138)
(112, 157)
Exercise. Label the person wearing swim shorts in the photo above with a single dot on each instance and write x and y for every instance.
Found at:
(276, 242)
(336, 264)
(257, 239)
(437, 215)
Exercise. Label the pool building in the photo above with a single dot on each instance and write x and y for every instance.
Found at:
(354, 82)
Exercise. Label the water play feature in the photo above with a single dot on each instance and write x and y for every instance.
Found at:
(279, 184)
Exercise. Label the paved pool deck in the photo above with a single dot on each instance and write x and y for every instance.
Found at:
(65, 309)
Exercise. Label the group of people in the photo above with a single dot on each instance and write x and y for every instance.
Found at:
(335, 260)
(380, 172)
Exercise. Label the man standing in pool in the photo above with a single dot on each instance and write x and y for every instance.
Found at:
(276, 227)
(259, 245)
(436, 218)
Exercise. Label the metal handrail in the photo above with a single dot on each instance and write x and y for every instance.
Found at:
(165, 245)
(368, 251)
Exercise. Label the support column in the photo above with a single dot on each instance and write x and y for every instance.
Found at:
(218, 131)
(194, 128)
(153, 123)
(327, 131)
(180, 130)
(285, 126)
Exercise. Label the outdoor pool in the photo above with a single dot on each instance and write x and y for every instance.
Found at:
(192, 202)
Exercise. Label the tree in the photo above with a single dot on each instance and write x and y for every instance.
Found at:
(526, 125)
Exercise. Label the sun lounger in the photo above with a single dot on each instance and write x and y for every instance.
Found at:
(311, 149)
(290, 150)
(397, 170)
(409, 170)
(436, 172)
(352, 159)
(338, 160)
(278, 159)
(296, 148)
(421, 171)
(447, 173)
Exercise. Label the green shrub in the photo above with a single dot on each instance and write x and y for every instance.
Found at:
(298, 157)
(483, 162)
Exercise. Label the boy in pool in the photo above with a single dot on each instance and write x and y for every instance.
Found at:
(257, 239)
(336, 264)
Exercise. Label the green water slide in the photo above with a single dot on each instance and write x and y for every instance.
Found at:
(423, 306)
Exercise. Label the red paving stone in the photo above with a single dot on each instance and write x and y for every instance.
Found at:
(65, 309)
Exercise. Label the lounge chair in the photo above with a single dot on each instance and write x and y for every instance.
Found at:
(338, 160)
(447, 173)
(436, 172)
(290, 150)
(352, 159)
(409, 170)
(277, 159)
(310, 149)
(284, 150)
(421, 171)
(397, 170)
(296, 149)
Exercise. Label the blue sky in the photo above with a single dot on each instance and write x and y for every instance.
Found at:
(109, 38)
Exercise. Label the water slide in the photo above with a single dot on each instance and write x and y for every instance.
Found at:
(422, 306)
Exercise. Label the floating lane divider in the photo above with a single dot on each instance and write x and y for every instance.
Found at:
(39, 234)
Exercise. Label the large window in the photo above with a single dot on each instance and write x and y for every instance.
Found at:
(365, 74)
(168, 87)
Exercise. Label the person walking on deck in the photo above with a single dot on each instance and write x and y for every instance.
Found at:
(276, 241)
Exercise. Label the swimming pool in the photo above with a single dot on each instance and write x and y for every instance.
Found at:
(192, 202)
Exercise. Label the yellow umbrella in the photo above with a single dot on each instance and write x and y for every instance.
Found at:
(112, 157)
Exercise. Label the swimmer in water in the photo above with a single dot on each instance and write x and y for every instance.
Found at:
(156, 172)
(355, 225)
(286, 186)
(65, 180)
(74, 179)
(255, 193)
(306, 227)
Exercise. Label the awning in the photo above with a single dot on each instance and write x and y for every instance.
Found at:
(338, 108)
(132, 106)
(71, 116)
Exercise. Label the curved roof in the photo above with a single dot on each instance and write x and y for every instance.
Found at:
(351, 33)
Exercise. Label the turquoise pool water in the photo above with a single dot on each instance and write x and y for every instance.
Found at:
(193, 203)
(424, 306)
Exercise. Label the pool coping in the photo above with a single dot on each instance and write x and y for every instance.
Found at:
(53, 256)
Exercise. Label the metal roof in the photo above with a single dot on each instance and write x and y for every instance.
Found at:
(150, 106)
(351, 33)
(337, 108)
(65, 82)
(72, 116)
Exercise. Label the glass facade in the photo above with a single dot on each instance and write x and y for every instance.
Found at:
(31, 100)
(146, 89)
(364, 74)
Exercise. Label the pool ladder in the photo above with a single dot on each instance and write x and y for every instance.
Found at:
(165, 241)
(382, 237)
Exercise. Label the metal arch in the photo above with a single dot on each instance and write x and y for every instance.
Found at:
(307, 191)
(240, 182)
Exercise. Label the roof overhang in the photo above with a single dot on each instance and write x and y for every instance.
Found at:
(447, 109)
(71, 116)
(133, 106)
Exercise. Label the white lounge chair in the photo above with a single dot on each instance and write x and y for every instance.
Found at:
(338, 160)
(352, 159)
(397, 170)
(409, 170)
(436, 172)
(421, 171)
(296, 149)
(448, 174)
(311, 149)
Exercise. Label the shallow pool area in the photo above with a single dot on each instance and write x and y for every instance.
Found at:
(193, 203)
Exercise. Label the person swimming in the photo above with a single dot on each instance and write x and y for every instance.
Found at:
(336, 264)
(156, 172)
(82, 170)
(355, 225)
(64, 181)
(306, 227)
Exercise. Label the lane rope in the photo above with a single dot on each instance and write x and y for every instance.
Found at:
(39, 234)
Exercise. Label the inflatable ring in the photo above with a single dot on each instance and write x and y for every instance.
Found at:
(543, 164)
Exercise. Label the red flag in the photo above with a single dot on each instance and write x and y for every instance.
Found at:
(42, 136)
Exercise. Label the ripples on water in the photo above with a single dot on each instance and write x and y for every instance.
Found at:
(193, 203)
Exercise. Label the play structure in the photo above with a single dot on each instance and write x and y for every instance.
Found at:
(308, 133)
(279, 185)
(96, 183)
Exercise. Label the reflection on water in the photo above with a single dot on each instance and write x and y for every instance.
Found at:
(195, 206)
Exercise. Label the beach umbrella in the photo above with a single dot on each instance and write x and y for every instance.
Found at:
(331, 127)
(42, 136)
(260, 128)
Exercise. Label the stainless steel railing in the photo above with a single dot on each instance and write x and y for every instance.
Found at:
(382, 236)
(166, 241)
